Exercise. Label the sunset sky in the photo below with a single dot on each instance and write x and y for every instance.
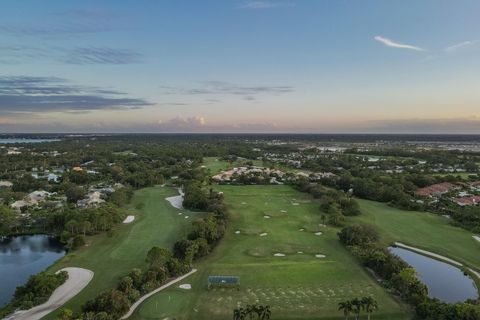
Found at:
(307, 66)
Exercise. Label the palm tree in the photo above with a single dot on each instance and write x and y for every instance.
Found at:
(250, 310)
(265, 313)
(239, 314)
(369, 305)
(347, 307)
(356, 307)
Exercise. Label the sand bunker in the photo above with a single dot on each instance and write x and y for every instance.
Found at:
(244, 203)
(476, 238)
(263, 234)
(266, 217)
(295, 204)
(176, 201)
(186, 286)
(301, 229)
(320, 256)
(279, 255)
(283, 211)
(237, 232)
(129, 219)
(299, 252)
(186, 217)
(180, 213)
(318, 233)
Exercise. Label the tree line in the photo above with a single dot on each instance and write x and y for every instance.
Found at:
(362, 241)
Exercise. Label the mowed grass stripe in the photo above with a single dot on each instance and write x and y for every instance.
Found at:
(296, 286)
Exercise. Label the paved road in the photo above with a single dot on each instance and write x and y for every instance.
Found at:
(78, 279)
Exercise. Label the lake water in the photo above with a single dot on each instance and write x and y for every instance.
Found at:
(23, 256)
(444, 281)
(15, 140)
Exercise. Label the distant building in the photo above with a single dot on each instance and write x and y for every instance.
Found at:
(6, 184)
(467, 201)
(436, 190)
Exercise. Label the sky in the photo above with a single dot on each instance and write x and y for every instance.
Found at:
(243, 66)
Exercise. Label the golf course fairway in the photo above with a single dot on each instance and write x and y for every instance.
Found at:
(273, 243)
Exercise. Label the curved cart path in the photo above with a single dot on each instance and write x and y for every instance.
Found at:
(78, 278)
(148, 295)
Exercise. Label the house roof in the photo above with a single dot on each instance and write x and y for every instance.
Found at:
(434, 189)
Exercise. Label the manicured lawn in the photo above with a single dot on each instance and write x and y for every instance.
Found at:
(156, 223)
(423, 230)
(216, 165)
(296, 286)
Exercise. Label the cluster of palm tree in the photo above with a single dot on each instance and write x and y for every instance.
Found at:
(251, 311)
(355, 306)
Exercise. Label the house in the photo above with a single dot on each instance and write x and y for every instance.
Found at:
(5, 184)
(30, 200)
(37, 196)
(435, 190)
(19, 205)
(467, 201)
(93, 200)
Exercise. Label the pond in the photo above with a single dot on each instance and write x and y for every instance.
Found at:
(444, 281)
(23, 256)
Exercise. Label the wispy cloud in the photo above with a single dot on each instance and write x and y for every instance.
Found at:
(460, 45)
(215, 88)
(96, 55)
(258, 5)
(18, 54)
(394, 44)
(20, 94)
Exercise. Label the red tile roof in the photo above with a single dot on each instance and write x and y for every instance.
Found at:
(468, 201)
(435, 189)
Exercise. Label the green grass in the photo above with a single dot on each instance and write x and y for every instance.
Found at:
(216, 165)
(420, 229)
(156, 223)
(297, 286)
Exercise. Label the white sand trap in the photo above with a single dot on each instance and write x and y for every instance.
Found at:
(180, 213)
(318, 233)
(244, 203)
(283, 211)
(78, 279)
(279, 255)
(176, 201)
(299, 252)
(237, 232)
(186, 286)
(476, 238)
(129, 219)
(186, 217)
(320, 256)
(295, 204)
(301, 229)
(266, 217)
(263, 234)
